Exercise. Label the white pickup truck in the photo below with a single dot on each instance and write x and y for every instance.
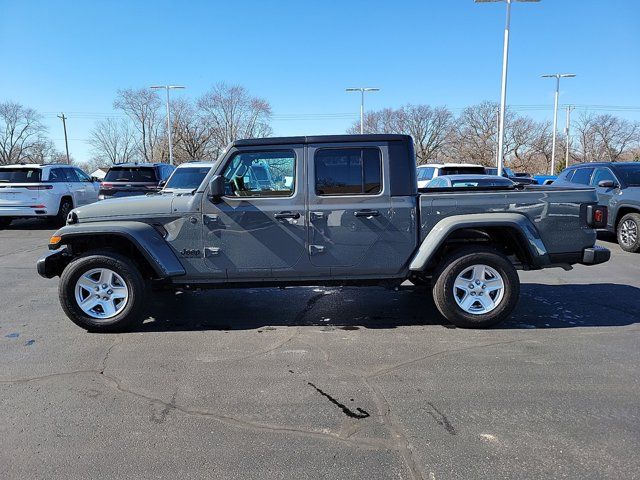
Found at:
(44, 191)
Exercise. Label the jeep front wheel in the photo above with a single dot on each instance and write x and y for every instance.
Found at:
(103, 292)
(476, 288)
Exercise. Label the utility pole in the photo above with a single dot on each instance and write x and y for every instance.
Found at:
(497, 133)
(566, 133)
(557, 76)
(66, 143)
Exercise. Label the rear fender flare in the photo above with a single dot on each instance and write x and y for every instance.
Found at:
(445, 227)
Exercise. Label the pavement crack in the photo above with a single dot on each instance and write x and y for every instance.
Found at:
(395, 430)
(406, 363)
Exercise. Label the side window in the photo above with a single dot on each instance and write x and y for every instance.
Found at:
(82, 177)
(270, 173)
(348, 171)
(582, 175)
(166, 171)
(57, 175)
(436, 183)
(71, 174)
(567, 175)
(602, 174)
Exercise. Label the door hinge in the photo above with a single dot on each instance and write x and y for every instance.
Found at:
(211, 251)
(316, 249)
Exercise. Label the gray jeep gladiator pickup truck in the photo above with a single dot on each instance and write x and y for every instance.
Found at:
(325, 210)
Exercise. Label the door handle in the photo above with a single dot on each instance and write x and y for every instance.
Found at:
(283, 215)
(366, 213)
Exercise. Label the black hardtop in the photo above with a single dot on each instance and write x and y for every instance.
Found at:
(378, 137)
(402, 177)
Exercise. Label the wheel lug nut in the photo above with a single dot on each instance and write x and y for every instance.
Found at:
(477, 282)
(473, 293)
(109, 292)
(484, 286)
(97, 289)
(104, 285)
(471, 285)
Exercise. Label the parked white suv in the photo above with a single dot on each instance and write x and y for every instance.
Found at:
(47, 191)
(433, 170)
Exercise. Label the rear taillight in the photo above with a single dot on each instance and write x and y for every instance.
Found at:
(40, 187)
(107, 185)
(597, 216)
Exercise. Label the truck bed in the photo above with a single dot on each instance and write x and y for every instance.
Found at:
(555, 212)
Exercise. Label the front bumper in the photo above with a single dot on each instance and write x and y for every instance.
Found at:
(52, 263)
(595, 255)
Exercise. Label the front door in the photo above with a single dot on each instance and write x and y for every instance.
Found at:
(258, 229)
(349, 209)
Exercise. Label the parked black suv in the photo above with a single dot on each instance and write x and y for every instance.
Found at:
(618, 187)
(128, 179)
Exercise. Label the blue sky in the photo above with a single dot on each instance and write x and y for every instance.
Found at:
(300, 55)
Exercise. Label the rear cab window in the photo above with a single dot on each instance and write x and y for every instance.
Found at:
(20, 175)
(582, 176)
(348, 171)
(131, 174)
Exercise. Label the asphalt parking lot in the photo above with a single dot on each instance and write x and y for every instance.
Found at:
(327, 383)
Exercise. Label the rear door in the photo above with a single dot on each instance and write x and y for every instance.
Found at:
(605, 194)
(349, 208)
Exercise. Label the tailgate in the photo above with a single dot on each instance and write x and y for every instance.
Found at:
(15, 195)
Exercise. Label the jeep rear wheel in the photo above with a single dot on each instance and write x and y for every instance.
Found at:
(476, 288)
(629, 232)
(63, 212)
(103, 292)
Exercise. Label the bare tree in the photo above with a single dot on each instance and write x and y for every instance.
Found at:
(474, 138)
(22, 134)
(113, 141)
(232, 113)
(430, 127)
(142, 107)
(616, 136)
(193, 139)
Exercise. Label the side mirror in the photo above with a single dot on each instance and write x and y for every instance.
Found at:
(216, 187)
(95, 180)
(162, 183)
(607, 184)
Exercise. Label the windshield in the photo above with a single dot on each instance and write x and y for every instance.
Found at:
(20, 175)
(131, 174)
(187, 178)
(629, 173)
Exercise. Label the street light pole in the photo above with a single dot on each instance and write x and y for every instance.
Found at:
(362, 90)
(557, 76)
(505, 64)
(167, 88)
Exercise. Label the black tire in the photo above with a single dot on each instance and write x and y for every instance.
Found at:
(138, 288)
(625, 240)
(456, 264)
(5, 222)
(66, 206)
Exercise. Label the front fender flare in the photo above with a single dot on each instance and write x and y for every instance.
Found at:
(143, 236)
(446, 226)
